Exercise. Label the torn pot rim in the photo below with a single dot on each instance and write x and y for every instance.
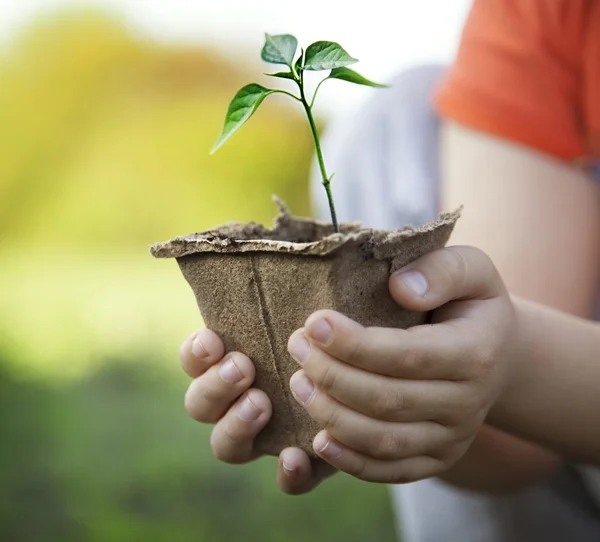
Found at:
(260, 239)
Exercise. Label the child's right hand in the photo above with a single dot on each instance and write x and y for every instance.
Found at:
(221, 395)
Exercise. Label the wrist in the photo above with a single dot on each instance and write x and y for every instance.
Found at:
(516, 364)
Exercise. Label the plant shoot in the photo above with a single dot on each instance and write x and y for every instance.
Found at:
(319, 56)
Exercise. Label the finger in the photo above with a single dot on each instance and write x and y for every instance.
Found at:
(400, 471)
(298, 474)
(445, 275)
(389, 399)
(199, 351)
(378, 439)
(232, 439)
(209, 396)
(422, 352)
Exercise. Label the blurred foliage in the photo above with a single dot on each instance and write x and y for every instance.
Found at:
(114, 458)
(105, 139)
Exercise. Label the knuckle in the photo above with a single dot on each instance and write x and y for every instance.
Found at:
(477, 253)
(481, 360)
(203, 416)
(391, 445)
(197, 409)
(411, 360)
(223, 454)
(359, 469)
(355, 350)
(357, 345)
(328, 377)
(387, 403)
(218, 450)
(331, 419)
(485, 356)
(454, 266)
(211, 397)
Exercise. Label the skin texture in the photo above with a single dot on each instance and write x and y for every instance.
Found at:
(420, 409)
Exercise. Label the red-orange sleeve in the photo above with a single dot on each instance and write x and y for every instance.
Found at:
(517, 74)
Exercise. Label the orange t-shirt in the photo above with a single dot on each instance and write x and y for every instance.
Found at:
(529, 71)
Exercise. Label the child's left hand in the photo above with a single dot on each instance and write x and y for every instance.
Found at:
(402, 405)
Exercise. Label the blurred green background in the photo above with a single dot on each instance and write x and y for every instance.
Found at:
(104, 141)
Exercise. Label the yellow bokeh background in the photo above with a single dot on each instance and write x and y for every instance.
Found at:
(106, 141)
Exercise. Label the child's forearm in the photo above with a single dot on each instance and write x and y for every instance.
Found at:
(553, 396)
(498, 463)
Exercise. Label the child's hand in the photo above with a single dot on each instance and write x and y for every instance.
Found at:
(220, 395)
(402, 405)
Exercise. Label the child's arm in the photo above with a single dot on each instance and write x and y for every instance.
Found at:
(516, 211)
(553, 396)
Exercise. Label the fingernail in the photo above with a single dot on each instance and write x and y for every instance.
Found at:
(299, 348)
(302, 388)
(198, 349)
(247, 411)
(330, 450)
(416, 281)
(229, 372)
(289, 471)
(320, 331)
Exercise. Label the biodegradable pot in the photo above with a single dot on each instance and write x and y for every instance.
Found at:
(254, 286)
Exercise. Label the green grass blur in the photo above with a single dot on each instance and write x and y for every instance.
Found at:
(104, 141)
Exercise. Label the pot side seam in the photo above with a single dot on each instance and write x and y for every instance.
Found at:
(266, 318)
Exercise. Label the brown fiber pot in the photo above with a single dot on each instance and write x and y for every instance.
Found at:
(254, 286)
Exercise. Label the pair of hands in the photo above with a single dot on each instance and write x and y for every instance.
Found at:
(396, 405)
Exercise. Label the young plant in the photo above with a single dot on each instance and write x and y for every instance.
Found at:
(319, 56)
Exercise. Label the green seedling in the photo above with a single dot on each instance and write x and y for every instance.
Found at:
(319, 56)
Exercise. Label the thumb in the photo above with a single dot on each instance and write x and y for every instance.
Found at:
(445, 275)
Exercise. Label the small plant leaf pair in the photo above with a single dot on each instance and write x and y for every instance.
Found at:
(319, 56)
(281, 49)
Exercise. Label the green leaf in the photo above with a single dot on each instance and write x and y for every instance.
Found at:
(299, 62)
(346, 74)
(241, 108)
(282, 75)
(326, 55)
(280, 49)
